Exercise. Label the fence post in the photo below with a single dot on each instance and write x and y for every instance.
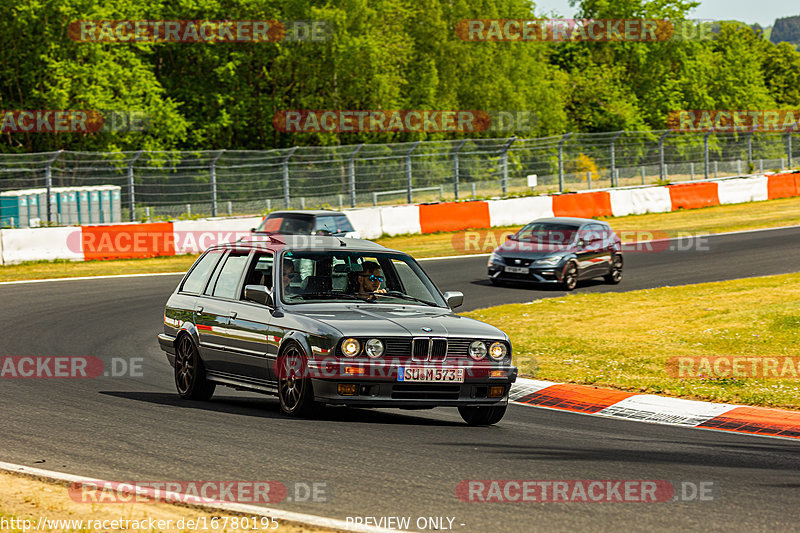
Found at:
(662, 169)
(749, 149)
(408, 171)
(286, 198)
(716, 169)
(352, 167)
(504, 164)
(48, 182)
(691, 170)
(455, 166)
(589, 179)
(614, 181)
(642, 168)
(789, 148)
(131, 190)
(213, 168)
(705, 152)
(561, 161)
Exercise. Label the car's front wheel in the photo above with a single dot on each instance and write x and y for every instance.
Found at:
(294, 388)
(482, 416)
(190, 376)
(570, 278)
(614, 275)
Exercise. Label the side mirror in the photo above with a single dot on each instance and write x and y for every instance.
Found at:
(454, 299)
(509, 236)
(259, 294)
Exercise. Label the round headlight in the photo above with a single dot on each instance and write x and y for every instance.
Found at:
(497, 351)
(374, 348)
(351, 347)
(477, 350)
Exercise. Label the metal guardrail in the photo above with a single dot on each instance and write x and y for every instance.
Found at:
(246, 182)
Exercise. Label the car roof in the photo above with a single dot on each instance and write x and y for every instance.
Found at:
(573, 221)
(307, 212)
(306, 242)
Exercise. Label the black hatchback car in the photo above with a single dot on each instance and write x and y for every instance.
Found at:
(323, 320)
(558, 250)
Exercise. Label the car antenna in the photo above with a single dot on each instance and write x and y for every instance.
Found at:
(274, 239)
(341, 242)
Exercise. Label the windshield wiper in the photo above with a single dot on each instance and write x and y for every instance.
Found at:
(401, 295)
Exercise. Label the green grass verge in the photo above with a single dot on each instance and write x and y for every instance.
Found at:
(718, 219)
(625, 340)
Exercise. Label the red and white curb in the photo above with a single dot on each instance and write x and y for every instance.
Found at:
(591, 400)
(246, 509)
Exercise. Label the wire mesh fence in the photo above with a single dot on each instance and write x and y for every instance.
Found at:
(157, 185)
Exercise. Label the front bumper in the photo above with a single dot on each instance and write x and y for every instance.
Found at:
(535, 274)
(390, 392)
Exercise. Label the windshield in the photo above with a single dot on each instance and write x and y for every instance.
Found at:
(356, 277)
(547, 233)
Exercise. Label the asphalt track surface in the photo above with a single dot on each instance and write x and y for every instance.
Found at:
(382, 462)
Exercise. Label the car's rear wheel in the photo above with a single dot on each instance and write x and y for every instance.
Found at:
(614, 276)
(482, 416)
(295, 391)
(570, 279)
(190, 375)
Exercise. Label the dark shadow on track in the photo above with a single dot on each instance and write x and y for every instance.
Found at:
(268, 408)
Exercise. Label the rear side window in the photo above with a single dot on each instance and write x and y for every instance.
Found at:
(197, 277)
(333, 224)
(229, 275)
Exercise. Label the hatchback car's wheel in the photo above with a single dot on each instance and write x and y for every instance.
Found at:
(294, 388)
(615, 274)
(190, 376)
(570, 279)
(482, 416)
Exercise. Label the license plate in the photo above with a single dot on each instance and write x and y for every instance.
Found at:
(517, 270)
(430, 374)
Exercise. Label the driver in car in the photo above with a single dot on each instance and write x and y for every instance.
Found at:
(368, 281)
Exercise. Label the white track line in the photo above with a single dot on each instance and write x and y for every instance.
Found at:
(286, 516)
(84, 278)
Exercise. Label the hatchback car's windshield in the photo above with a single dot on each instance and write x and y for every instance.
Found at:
(356, 277)
(547, 233)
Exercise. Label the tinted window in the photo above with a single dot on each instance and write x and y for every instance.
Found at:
(547, 233)
(229, 276)
(260, 272)
(197, 278)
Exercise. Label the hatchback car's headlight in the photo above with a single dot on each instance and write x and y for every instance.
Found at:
(374, 348)
(549, 261)
(495, 258)
(477, 350)
(351, 347)
(497, 351)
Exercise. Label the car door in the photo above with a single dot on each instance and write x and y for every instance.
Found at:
(589, 250)
(251, 341)
(214, 309)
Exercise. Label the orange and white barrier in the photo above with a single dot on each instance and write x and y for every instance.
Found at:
(656, 409)
(186, 237)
